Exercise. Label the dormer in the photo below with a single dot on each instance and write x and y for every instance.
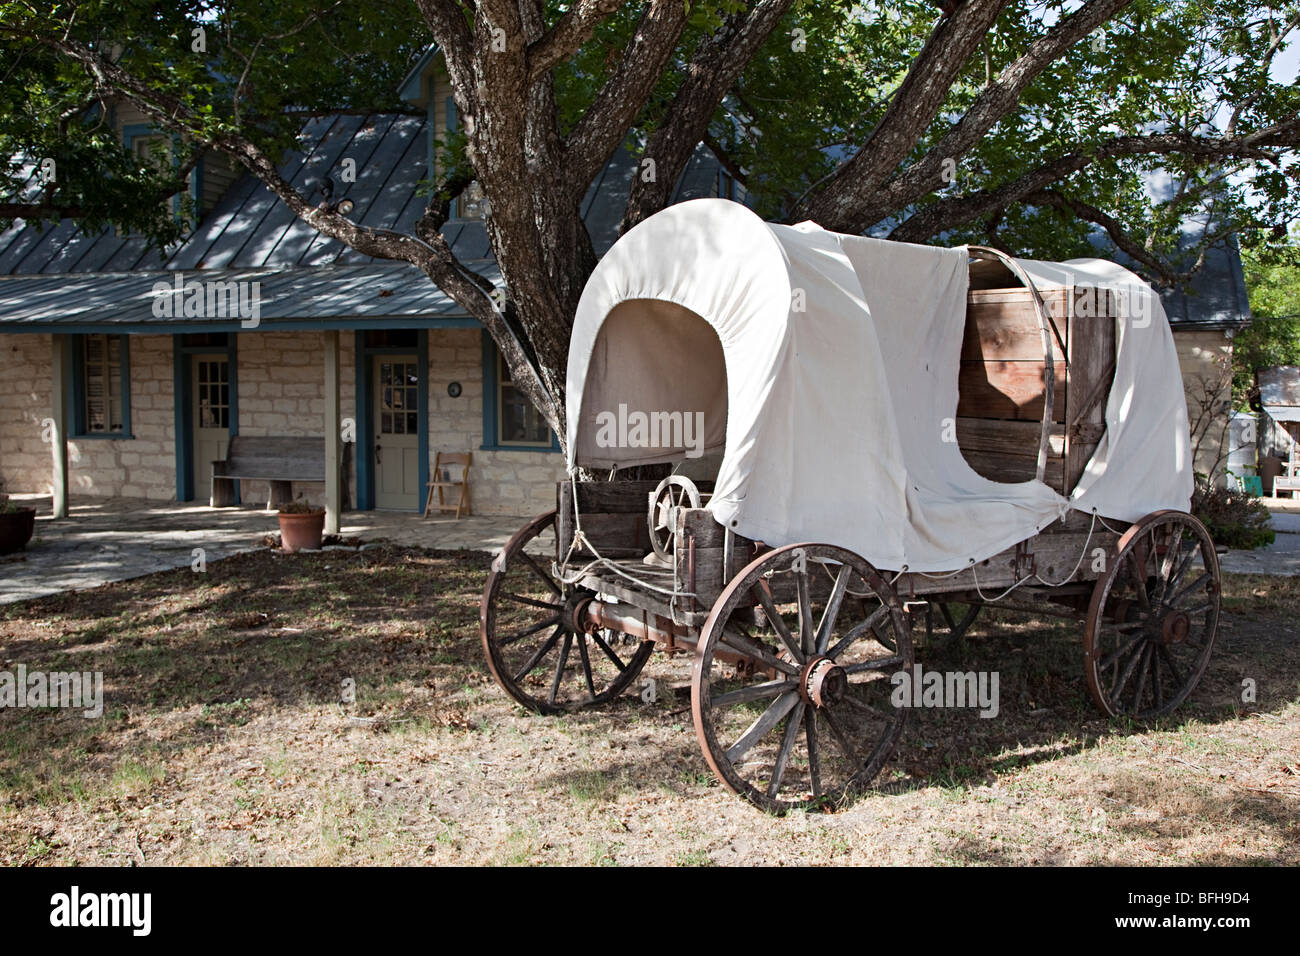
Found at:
(427, 87)
(140, 134)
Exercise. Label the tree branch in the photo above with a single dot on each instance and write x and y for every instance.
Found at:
(914, 106)
(712, 71)
(570, 32)
(944, 214)
(605, 124)
(873, 201)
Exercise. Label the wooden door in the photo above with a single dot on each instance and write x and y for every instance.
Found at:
(210, 380)
(397, 432)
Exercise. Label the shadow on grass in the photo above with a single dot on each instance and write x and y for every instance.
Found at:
(188, 656)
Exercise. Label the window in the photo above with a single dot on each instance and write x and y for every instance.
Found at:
(518, 422)
(509, 418)
(100, 378)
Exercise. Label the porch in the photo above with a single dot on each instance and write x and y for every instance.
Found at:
(113, 539)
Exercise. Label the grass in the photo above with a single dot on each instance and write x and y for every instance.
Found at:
(226, 739)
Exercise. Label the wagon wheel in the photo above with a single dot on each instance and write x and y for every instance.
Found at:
(531, 626)
(956, 623)
(673, 492)
(795, 711)
(1153, 617)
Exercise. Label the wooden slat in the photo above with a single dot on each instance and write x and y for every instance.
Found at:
(1017, 438)
(1092, 369)
(1011, 390)
(1001, 325)
(1000, 466)
(1055, 555)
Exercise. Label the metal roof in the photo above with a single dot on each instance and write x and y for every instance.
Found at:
(1279, 391)
(1216, 297)
(51, 277)
(325, 297)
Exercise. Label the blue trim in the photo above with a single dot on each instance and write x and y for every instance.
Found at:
(77, 387)
(183, 399)
(365, 409)
(422, 415)
(491, 440)
(283, 325)
(182, 421)
(196, 191)
(453, 122)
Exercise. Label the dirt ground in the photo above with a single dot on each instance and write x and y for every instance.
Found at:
(225, 740)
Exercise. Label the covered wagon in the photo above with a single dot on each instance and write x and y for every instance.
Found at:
(862, 433)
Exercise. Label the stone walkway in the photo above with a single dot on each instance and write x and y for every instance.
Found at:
(1282, 556)
(114, 539)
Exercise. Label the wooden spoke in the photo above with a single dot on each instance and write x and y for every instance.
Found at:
(814, 758)
(609, 652)
(1172, 666)
(764, 595)
(1121, 651)
(586, 664)
(787, 744)
(735, 640)
(867, 626)
(550, 584)
(841, 738)
(531, 664)
(531, 602)
(807, 637)
(1182, 567)
(832, 611)
(765, 722)
(1199, 582)
(1142, 677)
(1129, 668)
(879, 664)
(753, 692)
(520, 635)
(559, 668)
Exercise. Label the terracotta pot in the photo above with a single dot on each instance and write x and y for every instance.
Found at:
(302, 531)
(16, 529)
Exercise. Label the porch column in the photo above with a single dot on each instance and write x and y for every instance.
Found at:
(333, 436)
(59, 433)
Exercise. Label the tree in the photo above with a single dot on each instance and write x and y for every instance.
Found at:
(1023, 124)
(1272, 270)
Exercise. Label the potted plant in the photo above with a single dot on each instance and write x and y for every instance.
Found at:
(16, 525)
(302, 526)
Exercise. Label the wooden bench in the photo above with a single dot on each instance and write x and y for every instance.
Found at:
(278, 460)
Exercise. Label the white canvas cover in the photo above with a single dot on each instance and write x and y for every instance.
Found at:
(825, 368)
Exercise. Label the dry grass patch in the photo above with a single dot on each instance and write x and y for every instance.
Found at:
(335, 708)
